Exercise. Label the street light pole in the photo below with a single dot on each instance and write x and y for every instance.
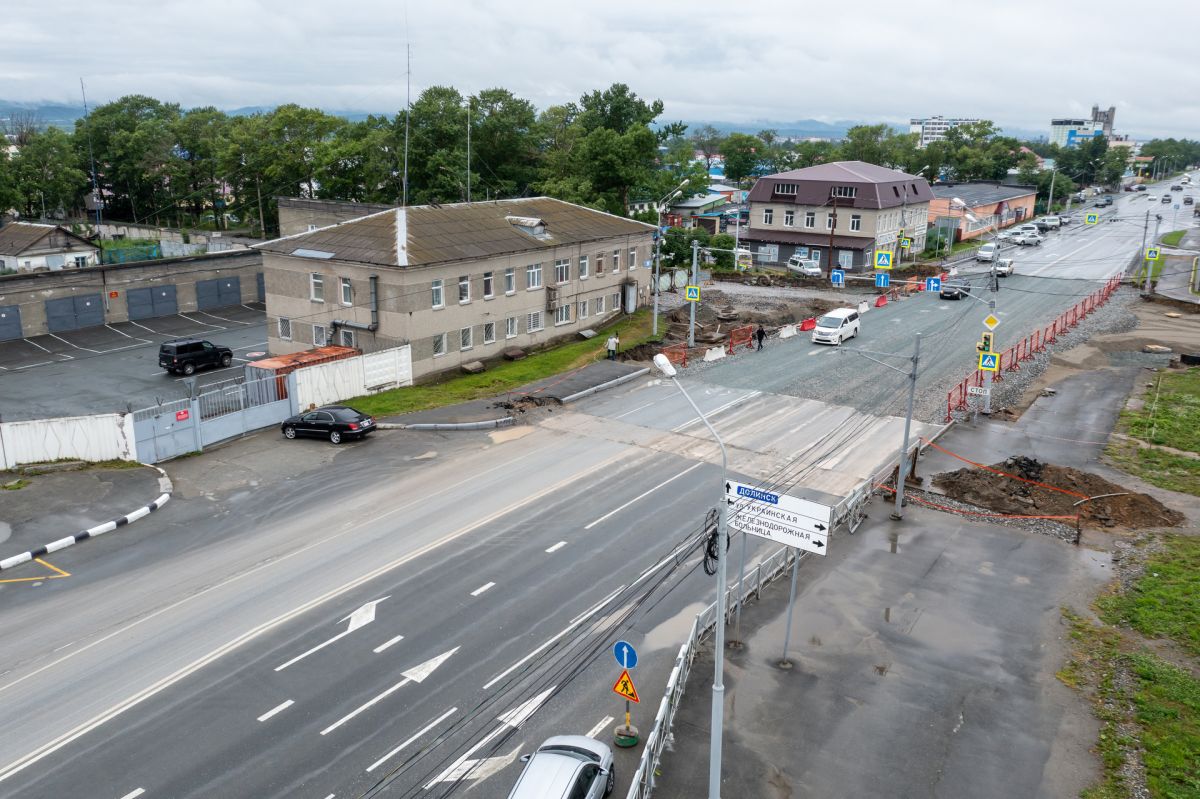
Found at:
(658, 234)
(718, 690)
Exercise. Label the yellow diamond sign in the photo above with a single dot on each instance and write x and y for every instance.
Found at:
(990, 322)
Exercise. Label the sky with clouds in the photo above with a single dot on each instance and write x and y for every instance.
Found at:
(1017, 62)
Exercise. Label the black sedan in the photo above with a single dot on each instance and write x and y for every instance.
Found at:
(954, 289)
(335, 422)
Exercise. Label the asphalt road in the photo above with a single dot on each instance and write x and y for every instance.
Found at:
(115, 367)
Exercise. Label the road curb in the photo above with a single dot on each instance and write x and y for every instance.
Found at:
(610, 384)
(485, 424)
(164, 485)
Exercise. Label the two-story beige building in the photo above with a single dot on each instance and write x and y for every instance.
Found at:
(457, 282)
(838, 214)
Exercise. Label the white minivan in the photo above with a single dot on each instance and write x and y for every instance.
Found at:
(987, 252)
(836, 326)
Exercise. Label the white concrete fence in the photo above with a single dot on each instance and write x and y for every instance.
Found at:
(353, 377)
(103, 437)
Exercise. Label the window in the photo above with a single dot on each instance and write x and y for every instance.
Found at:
(896, 190)
(616, 261)
(533, 276)
(855, 222)
(438, 300)
(848, 192)
(316, 287)
(533, 322)
(319, 339)
(789, 218)
(347, 292)
(347, 338)
(615, 302)
(598, 306)
(510, 327)
(599, 263)
(439, 345)
(285, 328)
(633, 259)
(810, 218)
(582, 312)
(510, 281)
(81, 261)
(829, 221)
(768, 253)
(464, 289)
(489, 285)
(583, 267)
(562, 314)
(489, 332)
(845, 259)
(466, 338)
(768, 216)
(785, 188)
(562, 270)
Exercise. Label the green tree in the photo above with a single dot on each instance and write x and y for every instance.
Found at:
(707, 141)
(10, 194)
(46, 174)
(616, 108)
(742, 155)
(677, 245)
(865, 143)
(437, 161)
(199, 135)
(502, 143)
(722, 242)
(811, 153)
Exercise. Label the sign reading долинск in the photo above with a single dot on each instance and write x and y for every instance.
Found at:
(787, 520)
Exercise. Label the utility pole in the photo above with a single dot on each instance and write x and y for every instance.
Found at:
(261, 224)
(987, 375)
(1050, 201)
(695, 282)
(468, 149)
(87, 119)
(902, 470)
(407, 114)
(832, 228)
(1145, 262)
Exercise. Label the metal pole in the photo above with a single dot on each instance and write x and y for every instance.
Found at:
(1050, 201)
(657, 259)
(468, 149)
(987, 375)
(1145, 262)
(787, 631)
(741, 596)
(902, 470)
(695, 282)
(718, 690)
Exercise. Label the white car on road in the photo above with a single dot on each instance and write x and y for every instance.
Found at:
(1028, 238)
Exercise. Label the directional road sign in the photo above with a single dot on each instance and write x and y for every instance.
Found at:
(838, 276)
(933, 284)
(882, 280)
(989, 362)
(786, 520)
(883, 259)
(692, 294)
(624, 687)
(625, 654)
(990, 321)
(1091, 219)
(1151, 253)
(906, 243)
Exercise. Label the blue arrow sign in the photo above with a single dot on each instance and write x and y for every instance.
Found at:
(838, 276)
(882, 280)
(625, 654)
(933, 284)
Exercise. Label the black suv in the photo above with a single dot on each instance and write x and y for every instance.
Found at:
(187, 355)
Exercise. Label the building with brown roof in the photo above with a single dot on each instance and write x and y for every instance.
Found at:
(30, 247)
(458, 282)
(840, 212)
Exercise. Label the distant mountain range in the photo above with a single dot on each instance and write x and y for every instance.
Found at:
(62, 115)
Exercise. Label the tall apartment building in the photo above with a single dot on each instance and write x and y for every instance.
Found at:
(1067, 132)
(934, 129)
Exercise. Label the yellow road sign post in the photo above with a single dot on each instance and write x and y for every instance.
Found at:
(692, 293)
(989, 362)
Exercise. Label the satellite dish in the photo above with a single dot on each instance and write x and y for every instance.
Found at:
(664, 282)
(681, 278)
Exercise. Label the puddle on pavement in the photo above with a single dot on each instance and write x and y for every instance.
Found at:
(5, 531)
(509, 433)
(672, 632)
(1098, 564)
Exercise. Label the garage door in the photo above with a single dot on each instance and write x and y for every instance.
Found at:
(10, 322)
(218, 293)
(72, 313)
(149, 303)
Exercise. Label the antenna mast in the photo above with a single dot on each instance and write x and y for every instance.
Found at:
(407, 114)
(87, 123)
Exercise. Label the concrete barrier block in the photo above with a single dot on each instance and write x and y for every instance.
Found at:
(787, 331)
(715, 354)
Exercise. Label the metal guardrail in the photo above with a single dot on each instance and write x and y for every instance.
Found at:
(767, 570)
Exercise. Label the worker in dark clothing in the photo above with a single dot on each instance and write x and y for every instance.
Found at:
(760, 334)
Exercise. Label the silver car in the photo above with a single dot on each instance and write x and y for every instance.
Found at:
(567, 767)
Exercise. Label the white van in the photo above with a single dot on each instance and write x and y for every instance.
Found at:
(1054, 222)
(987, 252)
(836, 326)
(804, 266)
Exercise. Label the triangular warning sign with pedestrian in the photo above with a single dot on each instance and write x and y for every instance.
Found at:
(624, 687)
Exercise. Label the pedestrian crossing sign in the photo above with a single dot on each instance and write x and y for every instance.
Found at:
(692, 294)
(624, 687)
(883, 259)
(989, 362)
(1151, 253)
(905, 243)
(1091, 219)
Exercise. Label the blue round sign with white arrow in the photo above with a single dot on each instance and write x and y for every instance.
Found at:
(625, 654)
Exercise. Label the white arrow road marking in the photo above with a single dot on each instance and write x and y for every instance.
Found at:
(414, 737)
(416, 674)
(359, 618)
(513, 719)
(477, 769)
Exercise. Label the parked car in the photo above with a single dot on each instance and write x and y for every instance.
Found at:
(954, 289)
(804, 266)
(1055, 222)
(1176, 187)
(1028, 227)
(1004, 267)
(1151, 197)
(1187, 199)
(567, 767)
(1033, 239)
(837, 326)
(185, 356)
(1066, 219)
(1042, 225)
(1104, 201)
(1006, 235)
(335, 422)
(1166, 198)
(987, 252)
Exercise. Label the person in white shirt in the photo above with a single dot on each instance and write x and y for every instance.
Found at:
(613, 343)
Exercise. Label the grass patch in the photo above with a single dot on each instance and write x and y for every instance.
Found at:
(1163, 469)
(1172, 239)
(1168, 710)
(1171, 415)
(1165, 601)
(507, 375)
(1156, 267)
(15, 485)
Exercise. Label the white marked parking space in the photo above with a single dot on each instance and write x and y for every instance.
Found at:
(604, 722)
(415, 736)
(276, 710)
(201, 322)
(482, 588)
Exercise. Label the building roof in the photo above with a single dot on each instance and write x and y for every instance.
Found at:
(877, 186)
(806, 239)
(424, 235)
(700, 200)
(979, 194)
(20, 237)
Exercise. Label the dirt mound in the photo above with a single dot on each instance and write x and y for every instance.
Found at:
(1006, 495)
(721, 313)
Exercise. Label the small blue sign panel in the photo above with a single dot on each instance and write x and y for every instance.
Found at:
(933, 284)
(625, 654)
(838, 276)
(882, 280)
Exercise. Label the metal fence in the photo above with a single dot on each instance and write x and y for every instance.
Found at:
(769, 569)
(232, 397)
